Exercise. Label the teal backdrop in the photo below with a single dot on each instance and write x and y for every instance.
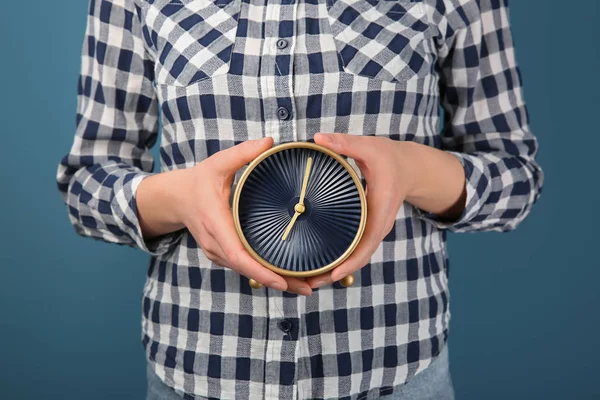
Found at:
(525, 308)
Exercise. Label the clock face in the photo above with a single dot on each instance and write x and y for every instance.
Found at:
(300, 209)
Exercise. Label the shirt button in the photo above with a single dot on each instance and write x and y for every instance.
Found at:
(282, 44)
(283, 113)
(285, 325)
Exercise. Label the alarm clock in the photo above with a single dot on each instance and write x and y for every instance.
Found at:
(300, 210)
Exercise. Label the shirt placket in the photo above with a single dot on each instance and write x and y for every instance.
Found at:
(282, 349)
(276, 72)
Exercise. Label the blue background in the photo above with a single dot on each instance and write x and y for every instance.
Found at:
(525, 308)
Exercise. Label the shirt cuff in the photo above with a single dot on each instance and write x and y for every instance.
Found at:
(478, 188)
(125, 211)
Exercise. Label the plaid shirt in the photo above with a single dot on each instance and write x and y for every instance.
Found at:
(219, 72)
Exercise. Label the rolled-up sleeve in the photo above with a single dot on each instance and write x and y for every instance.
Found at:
(485, 118)
(117, 124)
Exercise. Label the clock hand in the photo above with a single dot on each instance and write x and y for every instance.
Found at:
(305, 182)
(299, 208)
(290, 225)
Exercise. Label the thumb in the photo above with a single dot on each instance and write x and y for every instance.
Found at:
(354, 146)
(234, 158)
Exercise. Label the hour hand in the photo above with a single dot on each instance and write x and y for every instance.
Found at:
(299, 208)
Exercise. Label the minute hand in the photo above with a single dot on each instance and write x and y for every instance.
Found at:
(305, 181)
(299, 208)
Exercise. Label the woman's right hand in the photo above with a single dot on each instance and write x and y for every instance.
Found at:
(198, 198)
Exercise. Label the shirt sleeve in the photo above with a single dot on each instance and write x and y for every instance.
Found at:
(117, 123)
(486, 120)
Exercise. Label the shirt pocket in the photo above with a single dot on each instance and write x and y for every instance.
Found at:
(381, 39)
(193, 39)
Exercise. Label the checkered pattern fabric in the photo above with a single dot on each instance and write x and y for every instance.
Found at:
(219, 72)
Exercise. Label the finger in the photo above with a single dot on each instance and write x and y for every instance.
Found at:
(218, 260)
(210, 245)
(379, 210)
(225, 235)
(361, 148)
(232, 159)
(233, 255)
(319, 280)
(364, 251)
(295, 285)
(298, 286)
(378, 206)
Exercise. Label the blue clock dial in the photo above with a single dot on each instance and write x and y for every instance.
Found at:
(330, 216)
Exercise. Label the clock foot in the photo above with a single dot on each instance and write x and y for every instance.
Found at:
(347, 281)
(254, 284)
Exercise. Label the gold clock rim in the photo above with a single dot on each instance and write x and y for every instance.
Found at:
(355, 178)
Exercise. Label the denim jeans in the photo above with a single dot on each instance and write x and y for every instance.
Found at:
(434, 383)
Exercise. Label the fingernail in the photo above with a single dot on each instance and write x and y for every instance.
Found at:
(277, 286)
(338, 279)
(319, 282)
(305, 291)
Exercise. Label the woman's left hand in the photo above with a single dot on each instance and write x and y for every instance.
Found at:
(386, 167)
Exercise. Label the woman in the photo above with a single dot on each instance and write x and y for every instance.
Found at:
(230, 78)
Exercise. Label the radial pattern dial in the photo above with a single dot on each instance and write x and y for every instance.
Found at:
(300, 209)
